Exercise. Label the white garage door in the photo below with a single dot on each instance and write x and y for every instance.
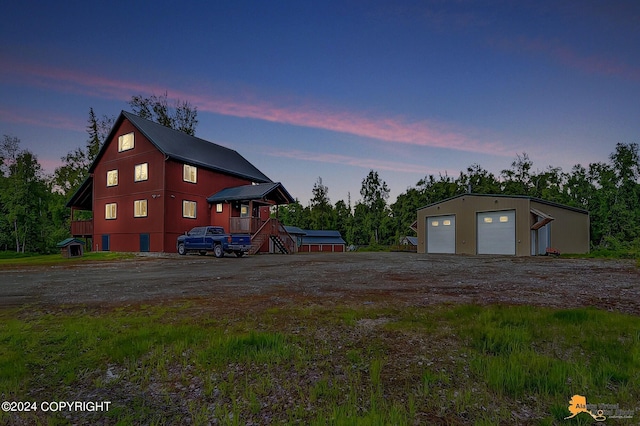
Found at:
(441, 234)
(497, 232)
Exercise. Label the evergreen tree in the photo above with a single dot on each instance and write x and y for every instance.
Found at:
(75, 165)
(375, 193)
(320, 207)
(343, 219)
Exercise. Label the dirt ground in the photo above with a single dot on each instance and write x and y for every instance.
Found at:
(338, 278)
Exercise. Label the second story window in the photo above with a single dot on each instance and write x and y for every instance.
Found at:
(190, 174)
(140, 208)
(141, 172)
(110, 211)
(125, 142)
(112, 177)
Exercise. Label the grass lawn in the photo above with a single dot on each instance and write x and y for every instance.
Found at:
(12, 259)
(317, 365)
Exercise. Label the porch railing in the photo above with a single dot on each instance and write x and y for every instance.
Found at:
(245, 225)
(82, 228)
(273, 229)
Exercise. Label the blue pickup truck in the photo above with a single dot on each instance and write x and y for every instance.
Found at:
(203, 239)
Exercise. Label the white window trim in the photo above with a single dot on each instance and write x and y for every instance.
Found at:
(146, 208)
(121, 140)
(111, 211)
(116, 174)
(187, 173)
(146, 170)
(195, 209)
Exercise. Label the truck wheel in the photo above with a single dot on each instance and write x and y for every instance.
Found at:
(239, 253)
(217, 250)
(181, 249)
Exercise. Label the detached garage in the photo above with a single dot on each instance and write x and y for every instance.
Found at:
(501, 225)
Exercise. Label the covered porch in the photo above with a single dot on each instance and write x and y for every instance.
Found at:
(247, 209)
(81, 204)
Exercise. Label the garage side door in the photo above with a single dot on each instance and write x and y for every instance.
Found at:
(497, 232)
(441, 234)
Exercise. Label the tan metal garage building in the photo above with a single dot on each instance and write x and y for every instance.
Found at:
(499, 224)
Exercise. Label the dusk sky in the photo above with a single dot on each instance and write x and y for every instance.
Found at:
(335, 88)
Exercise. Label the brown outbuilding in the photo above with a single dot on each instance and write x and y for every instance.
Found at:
(71, 247)
(501, 225)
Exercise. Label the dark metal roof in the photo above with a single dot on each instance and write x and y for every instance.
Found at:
(265, 191)
(537, 200)
(189, 149)
(69, 241)
(294, 230)
(410, 240)
(322, 237)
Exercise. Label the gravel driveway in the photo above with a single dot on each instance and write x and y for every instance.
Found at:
(391, 278)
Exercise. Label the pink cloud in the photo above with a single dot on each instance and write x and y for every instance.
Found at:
(41, 119)
(592, 64)
(73, 81)
(595, 64)
(365, 163)
(396, 129)
(388, 129)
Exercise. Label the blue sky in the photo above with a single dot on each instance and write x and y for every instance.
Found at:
(333, 89)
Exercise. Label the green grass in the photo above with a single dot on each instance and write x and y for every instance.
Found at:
(626, 251)
(12, 259)
(442, 365)
(374, 248)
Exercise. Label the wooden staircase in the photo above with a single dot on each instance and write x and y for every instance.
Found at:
(273, 230)
(277, 241)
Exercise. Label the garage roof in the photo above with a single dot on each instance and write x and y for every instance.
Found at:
(537, 200)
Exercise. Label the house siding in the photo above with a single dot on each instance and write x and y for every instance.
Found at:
(164, 191)
(124, 230)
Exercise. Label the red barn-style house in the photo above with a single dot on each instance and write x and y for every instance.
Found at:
(149, 184)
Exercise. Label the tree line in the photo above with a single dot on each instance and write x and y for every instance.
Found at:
(33, 216)
(609, 191)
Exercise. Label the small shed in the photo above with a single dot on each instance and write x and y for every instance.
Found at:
(297, 234)
(322, 241)
(71, 247)
(406, 244)
(409, 241)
